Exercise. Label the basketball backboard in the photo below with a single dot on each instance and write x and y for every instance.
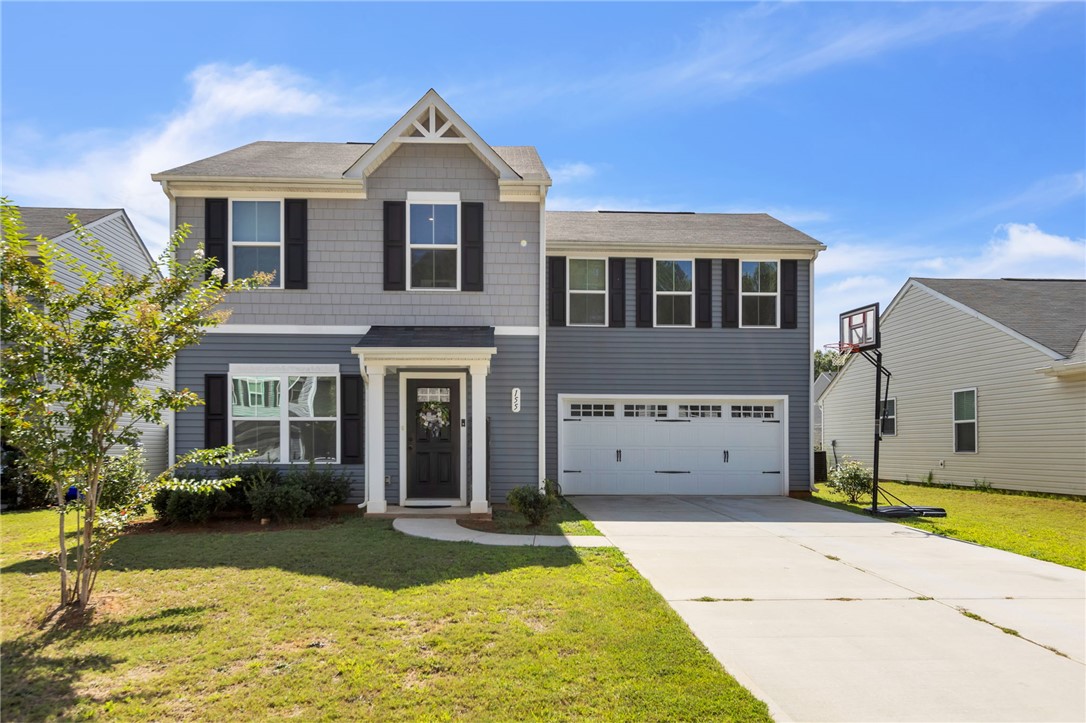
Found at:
(860, 328)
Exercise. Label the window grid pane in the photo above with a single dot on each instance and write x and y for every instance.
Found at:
(753, 411)
(965, 405)
(587, 275)
(433, 224)
(592, 410)
(693, 411)
(587, 308)
(433, 269)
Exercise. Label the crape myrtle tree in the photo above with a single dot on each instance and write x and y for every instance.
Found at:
(76, 358)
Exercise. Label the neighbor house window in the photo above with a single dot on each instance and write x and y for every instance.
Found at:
(256, 239)
(965, 420)
(758, 293)
(674, 293)
(889, 418)
(433, 233)
(588, 292)
(286, 417)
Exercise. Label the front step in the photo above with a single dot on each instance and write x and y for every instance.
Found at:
(455, 513)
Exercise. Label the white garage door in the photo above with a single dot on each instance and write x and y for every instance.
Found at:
(672, 446)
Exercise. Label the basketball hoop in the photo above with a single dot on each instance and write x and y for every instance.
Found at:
(839, 351)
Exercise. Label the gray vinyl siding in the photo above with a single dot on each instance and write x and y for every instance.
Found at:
(1031, 428)
(346, 247)
(603, 361)
(514, 448)
(127, 250)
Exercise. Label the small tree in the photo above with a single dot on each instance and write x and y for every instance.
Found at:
(75, 358)
(851, 479)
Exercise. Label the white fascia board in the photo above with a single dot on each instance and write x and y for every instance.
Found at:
(398, 356)
(201, 187)
(969, 310)
(289, 329)
(1068, 369)
(376, 154)
(715, 251)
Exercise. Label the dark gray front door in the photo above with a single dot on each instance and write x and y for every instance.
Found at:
(433, 438)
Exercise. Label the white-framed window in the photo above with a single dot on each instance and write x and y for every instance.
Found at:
(889, 417)
(965, 420)
(591, 410)
(433, 240)
(759, 289)
(674, 287)
(644, 410)
(256, 239)
(586, 301)
(287, 414)
(700, 411)
(753, 411)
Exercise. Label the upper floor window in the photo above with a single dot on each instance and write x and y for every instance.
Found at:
(965, 420)
(433, 233)
(674, 293)
(758, 290)
(588, 292)
(256, 239)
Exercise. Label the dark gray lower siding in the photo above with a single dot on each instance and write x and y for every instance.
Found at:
(513, 444)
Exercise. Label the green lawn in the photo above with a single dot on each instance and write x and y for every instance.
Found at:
(565, 521)
(1052, 529)
(353, 621)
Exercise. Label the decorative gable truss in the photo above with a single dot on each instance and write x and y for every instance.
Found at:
(432, 120)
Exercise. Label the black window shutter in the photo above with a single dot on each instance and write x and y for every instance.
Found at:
(789, 294)
(350, 418)
(730, 319)
(556, 290)
(703, 293)
(471, 247)
(296, 275)
(644, 292)
(215, 240)
(216, 399)
(395, 245)
(617, 291)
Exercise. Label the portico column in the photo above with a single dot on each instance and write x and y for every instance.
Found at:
(375, 438)
(479, 502)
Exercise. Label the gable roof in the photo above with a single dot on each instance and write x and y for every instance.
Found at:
(52, 222)
(646, 229)
(1051, 312)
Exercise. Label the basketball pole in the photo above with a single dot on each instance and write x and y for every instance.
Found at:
(878, 433)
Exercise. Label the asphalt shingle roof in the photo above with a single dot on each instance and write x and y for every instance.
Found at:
(286, 159)
(1052, 312)
(51, 222)
(429, 336)
(606, 228)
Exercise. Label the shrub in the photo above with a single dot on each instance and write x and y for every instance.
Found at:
(534, 505)
(122, 478)
(174, 506)
(326, 487)
(278, 498)
(19, 488)
(248, 476)
(851, 479)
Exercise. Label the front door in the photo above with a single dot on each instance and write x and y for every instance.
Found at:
(433, 438)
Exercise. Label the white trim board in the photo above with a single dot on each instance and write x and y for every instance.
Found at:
(332, 330)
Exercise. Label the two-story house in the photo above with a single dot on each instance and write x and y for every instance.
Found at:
(433, 331)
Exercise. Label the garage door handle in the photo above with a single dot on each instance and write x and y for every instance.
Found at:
(671, 420)
(771, 421)
(618, 455)
(672, 471)
(571, 471)
(776, 471)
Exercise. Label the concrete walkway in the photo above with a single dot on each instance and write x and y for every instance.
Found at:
(831, 616)
(450, 531)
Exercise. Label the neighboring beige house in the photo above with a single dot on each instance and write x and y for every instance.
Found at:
(988, 386)
(820, 385)
(114, 229)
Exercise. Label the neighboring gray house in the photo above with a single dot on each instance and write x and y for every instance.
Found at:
(430, 314)
(820, 385)
(988, 386)
(114, 229)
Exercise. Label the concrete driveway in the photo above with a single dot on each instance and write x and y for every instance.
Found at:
(831, 616)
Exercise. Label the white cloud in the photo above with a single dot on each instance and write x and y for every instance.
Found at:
(228, 106)
(572, 172)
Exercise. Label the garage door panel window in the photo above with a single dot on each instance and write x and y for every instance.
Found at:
(965, 421)
(759, 292)
(591, 410)
(587, 292)
(753, 411)
(696, 411)
(645, 410)
(674, 288)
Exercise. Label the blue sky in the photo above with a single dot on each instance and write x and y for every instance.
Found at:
(912, 139)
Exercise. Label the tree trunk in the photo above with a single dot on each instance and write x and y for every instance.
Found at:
(62, 557)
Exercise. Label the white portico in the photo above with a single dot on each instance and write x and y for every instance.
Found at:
(425, 427)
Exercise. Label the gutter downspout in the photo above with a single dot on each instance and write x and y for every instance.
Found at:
(542, 336)
(365, 450)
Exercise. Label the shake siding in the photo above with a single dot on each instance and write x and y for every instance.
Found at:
(688, 361)
(1031, 428)
(346, 283)
(513, 436)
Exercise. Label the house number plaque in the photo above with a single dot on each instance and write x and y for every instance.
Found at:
(516, 399)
